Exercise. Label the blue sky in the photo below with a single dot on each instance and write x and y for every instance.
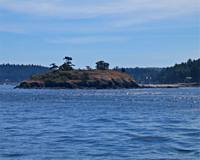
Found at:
(127, 33)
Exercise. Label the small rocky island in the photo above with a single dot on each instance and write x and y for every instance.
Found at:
(66, 77)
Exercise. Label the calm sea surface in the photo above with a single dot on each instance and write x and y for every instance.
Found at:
(99, 124)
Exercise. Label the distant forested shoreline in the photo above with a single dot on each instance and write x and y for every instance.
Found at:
(186, 72)
(12, 73)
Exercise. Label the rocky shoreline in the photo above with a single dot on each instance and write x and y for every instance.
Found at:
(90, 79)
(76, 79)
(177, 85)
(78, 85)
(97, 85)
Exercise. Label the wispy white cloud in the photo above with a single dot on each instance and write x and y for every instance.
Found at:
(100, 15)
(86, 39)
(91, 9)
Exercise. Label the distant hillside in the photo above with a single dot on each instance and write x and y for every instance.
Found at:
(144, 75)
(16, 73)
(181, 73)
(187, 72)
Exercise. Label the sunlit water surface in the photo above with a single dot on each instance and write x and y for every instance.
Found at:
(99, 124)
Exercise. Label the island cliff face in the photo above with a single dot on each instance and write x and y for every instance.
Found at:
(80, 79)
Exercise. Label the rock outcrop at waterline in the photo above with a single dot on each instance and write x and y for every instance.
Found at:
(80, 79)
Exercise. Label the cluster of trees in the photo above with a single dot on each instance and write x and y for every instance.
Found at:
(181, 73)
(187, 72)
(67, 66)
(10, 73)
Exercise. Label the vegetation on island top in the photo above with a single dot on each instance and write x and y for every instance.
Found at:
(67, 66)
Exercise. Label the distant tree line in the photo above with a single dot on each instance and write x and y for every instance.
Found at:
(143, 75)
(179, 73)
(15, 73)
(187, 72)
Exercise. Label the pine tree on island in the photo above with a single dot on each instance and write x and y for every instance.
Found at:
(67, 66)
(53, 67)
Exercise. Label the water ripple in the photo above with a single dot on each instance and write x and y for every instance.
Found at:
(139, 124)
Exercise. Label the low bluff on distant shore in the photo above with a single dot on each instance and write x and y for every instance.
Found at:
(80, 79)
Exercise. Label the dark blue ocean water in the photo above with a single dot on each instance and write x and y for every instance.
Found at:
(99, 124)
